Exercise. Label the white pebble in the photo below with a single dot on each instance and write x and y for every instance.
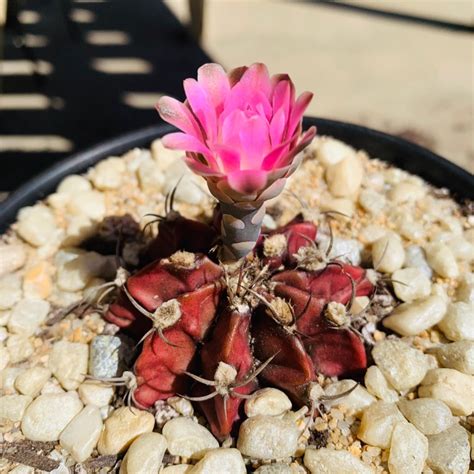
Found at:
(457, 355)
(371, 233)
(222, 461)
(191, 189)
(465, 290)
(81, 435)
(12, 407)
(122, 427)
(410, 319)
(181, 405)
(89, 203)
(450, 386)
(10, 291)
(415, 257)
(441, 259)
(403, 366)
(4, 357)
(48, 415)
(163, 156)
(378, 423)
(27, 316)
(408, 450)
(388, 254)
(187, 438)
(357, 400)
(177, 469)
(411, 284)
(95, 393)
(406, 191)
(372, 201)
(267, 401)
(108, 174)
(19, 348)
(458, 324)
(345, 177)
(331, 151)
(22, 469)
(145, 454)
(150, 177)
(343, 208)
(330, 461)
(78, 229)
(36, 225)
(12, 258)
(267, 437)
(378, 386)
(32, 380)
(74, 184)
(428, 415)
(7, 380)
(68, 362)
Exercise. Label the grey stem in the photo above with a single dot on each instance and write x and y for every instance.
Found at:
(240, 228)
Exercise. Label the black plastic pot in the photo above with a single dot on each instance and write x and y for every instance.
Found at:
(401, 153)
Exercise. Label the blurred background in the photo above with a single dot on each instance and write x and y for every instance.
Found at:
(76, 72)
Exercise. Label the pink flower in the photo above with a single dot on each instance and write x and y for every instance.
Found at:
(241, 131)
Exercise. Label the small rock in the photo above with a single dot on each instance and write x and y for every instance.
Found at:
(27, 316)
(378, 386)
(80, 436)
(187, 438)
(4, 357)
(177, 469)
(403, 366)
(267, 437)
(68, 362)
(331, 151)
(104, 358)
(32, 380)
(48, 415)
(457, 355)
(222, 461)
(88, 203)
(349, 249)
(12, 407)
(408, 450)
(276, 468)
(145, 454)
(122, 428)
(343, 208)
(411, 284)
(22, 469)
(441, 259)
(12, 258)
(345, 177)
(410, 319)
(10, 292)
(406, 191)
(36, 225)
(74, 184)
(450, 386)
(465, 290)
(448, 452)
(181, 405)
(150, 176)
(164, 156)
(415, 258)
(357, 400)
(378, 423)
(388, 254)
(19, 347)
(267, 401)
(95, 393)
(458, 324)
(372, 201)
(191, 189)
(108, 174)
(330, 461)
(430, 416)
(7, 380)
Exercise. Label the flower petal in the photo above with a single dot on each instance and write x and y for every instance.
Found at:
(185, 142)
(215, 82)
(177, 114)
(254, 142)
(229, 158)
(277, 127)
(199, 168)
(298, 110)
(247, 181)
(256, 78)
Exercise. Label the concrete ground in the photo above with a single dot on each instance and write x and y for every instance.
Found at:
(400, 77)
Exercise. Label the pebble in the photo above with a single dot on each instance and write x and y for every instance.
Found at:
(458, 324)
(89, 204)
(357, 400)
(349, 249)
(360, 304)
(441, 259)
(267, 437)
(19, 347)
(378, 386)
(372, 232)
(267, 401)
(187, 438)
(276, 468)
(12, 407)
(12, 258)
(27, 316)
(450, 386)
(48, 415)
(343, 208)
(465, 290)
(177, 469)
(191, 189)
(37, 281)
(411, 284)
(150, 177)
(331, 151)
(4, 357)
(81, 435)
(145, 454)
(95, 393)
(32, 380)
(457, 355)
(408, 450)
(448, 452)
(122, 427)
(428, 415)
(405, 191)
(7, 380)
(104, 358)
(410, 319)
(222, 461)
(372, 201)
(74, 184)
(68, 362)
(403, 366)
(10, 291)
(181, 405)
(388, 254)
(378, 423)
(330, 461)
(22, 469)
(163, 156)
(36, 225)
(108, 174)
(345, 177)
(415, 257)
